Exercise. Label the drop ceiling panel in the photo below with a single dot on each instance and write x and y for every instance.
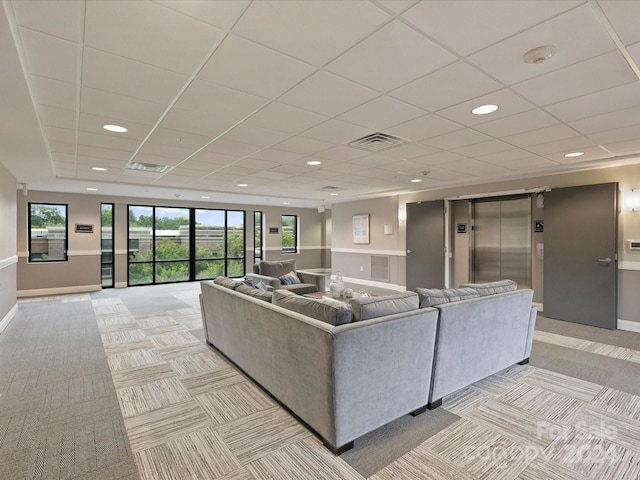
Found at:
(409, 150)
(198, 122)
(176, 139)
(256, 164)
(258, 136)
(108, 142)
(104, 71)
(509, 104)
(156, 159)
(605, 101)
(64, 135)
(276, 156)
(229, 104)
(627, 147)
(616, 135)
(285, 118)
(578, 35)
(566, 145)
(542, 135)
(593, 153)
(608, 121)
(54, 93)
(57, 117)
(483, 148)
(529, 164)
(213, 158)
(427, 126)
(303, 145)
(229, 147)
(448, 175)
(103, 153)
(456, 24)
(518, 123)
(458, 138)
(382, 113)
(236, 61)
(562, 85)
(119, 107)
(452, 84)
(49, 56)
(59, 19)
(327, 94)
(504, 156)
(134, 24)
(110, 164)
(337, 132)
(95, 123)
(623, 15)
(371, 160)
(221, 13)
(299, 28)
(397, 6)
(438, 158)
(340, 154)
(386, 59)
(474, 167)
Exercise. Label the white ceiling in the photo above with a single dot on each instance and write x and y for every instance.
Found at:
(230, 92)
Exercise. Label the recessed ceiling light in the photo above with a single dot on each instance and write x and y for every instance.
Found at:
(115, 128)
(484, 109)
(416, 180)
(204, 196)
(313, 162)
(574, 154)
(539, 54)
(99, 169)
(285, 203)
(243, 185)
(91, 189)
(333, 194)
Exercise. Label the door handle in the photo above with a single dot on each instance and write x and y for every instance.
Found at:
(604, 261)
(409, 252)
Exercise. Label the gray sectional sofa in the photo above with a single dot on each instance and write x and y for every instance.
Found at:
(345, 370)
(341, 380)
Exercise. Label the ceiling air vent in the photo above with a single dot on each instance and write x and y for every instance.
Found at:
(148, 167)
(376, 142)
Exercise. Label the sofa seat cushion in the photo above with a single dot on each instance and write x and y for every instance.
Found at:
(491, 288)
(277, 269)
(326, 310)
(301, 288)
(227, 282)
(365, 308)
(255, 293)
(430, 297)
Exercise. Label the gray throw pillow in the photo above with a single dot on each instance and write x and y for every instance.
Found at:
(277, 269)
(491, 288)
(326, 310)
(255, 293)
(227, 282)
(430, 297)
(365, 308)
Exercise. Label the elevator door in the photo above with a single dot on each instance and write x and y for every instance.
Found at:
(502, 241)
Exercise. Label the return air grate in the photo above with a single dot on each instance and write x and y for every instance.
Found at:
(380, 268)
(376, 142)
(148, 167)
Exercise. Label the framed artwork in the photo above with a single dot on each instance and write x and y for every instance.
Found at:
(361, 228)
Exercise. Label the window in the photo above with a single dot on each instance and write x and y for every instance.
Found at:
(257, 237)
(106, 241)
(289, 234)
(47, 232)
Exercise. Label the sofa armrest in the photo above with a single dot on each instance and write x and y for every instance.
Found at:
(532, 324)
(256, 278)
(318, 279)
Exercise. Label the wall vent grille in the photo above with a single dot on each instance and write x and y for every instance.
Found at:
(380, 268)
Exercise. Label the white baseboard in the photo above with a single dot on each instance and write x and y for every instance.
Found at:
(628, 325)
(46, 292)
(540, 306)
(8, 317)
(372, 283)
(121, 285)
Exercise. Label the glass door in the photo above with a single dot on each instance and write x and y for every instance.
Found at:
(106, 245)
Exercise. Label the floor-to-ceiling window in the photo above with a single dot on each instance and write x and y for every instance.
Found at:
(258, 219)
(170, 244)
(289, 234)
(106, 244)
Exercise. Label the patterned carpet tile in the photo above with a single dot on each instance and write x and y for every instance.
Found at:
(304, 460)
(173, 339)
(541, 468)
(143, 398)
(152, 321)
(546, 404)
(123, 337)
(200, 454)
(206, 382)
(171, 353)
(165, 424)
(162, 329)
(233, 402)
(259, 434)
(134, 358)
(494, 385)
(621, 403)
(205, 361)
(609, 426)
(560, 340)
(143, 374)
(465, 400)
(420, 464)
(563, 384)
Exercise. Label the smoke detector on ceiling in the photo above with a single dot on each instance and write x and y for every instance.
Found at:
(539, 54)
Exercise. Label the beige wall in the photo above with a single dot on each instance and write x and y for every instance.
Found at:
(8, 259)
(82, 271)
(385, 210)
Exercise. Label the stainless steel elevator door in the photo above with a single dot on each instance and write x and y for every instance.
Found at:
(502, 241)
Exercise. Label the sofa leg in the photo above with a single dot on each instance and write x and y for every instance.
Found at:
(418, 411)
(340, 450)
(524, 362)
(434, 405)
(210, 344)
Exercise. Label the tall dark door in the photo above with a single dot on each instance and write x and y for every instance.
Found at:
(425, 245)
(580, 254)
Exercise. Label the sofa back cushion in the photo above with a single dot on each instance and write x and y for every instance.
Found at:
(227, 282)
(365, 308)
(255, 293)
(491, 288)
(326, 310)
(430, 297)
(277, 269)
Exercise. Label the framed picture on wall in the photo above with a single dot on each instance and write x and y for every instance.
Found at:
(361, 228)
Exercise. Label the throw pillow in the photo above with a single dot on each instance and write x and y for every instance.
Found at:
(290, 279)
(491, 288)
(263, 286)
(430, 297)
(365, 308)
